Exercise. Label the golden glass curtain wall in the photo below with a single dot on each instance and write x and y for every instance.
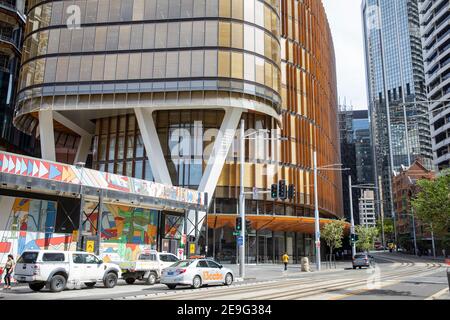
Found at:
(146, 85)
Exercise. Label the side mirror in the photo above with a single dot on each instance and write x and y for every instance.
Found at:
(220, 266)
(100, 261)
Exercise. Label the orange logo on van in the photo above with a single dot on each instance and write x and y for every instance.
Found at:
(212, 276)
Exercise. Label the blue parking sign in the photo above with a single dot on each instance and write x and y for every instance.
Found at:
(240, 240)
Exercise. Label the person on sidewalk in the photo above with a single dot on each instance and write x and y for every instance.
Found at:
(285, 259)
(9, 268)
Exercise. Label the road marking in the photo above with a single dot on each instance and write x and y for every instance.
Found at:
(438, 294)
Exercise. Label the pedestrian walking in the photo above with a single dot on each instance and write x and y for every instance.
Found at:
(9, 267)
(285, 259)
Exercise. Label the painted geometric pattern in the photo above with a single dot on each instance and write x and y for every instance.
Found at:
(31, 167)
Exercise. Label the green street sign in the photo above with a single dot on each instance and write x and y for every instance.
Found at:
(236, 233)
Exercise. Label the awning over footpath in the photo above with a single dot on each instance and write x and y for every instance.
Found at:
(270, 222)
(19, 172)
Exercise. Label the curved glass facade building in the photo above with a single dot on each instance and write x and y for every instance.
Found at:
(435, 21)
(152, 88)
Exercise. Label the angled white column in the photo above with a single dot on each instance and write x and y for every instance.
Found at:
(216, 161)
(47, 135)
(152, 146)
(83, 148)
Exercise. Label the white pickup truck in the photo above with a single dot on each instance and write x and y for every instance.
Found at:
(147, 267)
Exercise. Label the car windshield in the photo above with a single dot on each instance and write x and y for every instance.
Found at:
(182, 264)
(360, 256)
(28, 257)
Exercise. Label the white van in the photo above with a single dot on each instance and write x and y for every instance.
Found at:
(64, 269)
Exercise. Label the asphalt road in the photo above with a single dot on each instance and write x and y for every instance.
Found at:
(395, 277)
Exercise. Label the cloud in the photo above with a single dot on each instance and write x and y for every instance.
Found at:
(344, 17)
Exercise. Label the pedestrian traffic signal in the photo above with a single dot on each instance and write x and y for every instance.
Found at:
(353, 237)
(248, 225)
(274, 191)
(238, 224)
(291, 191)
(282, 189)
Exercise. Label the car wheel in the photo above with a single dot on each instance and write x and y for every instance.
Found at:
(228, 279)
(360, 268)
(151, 280)
(57, 283)
(197, 282)
(171, 286)
(36, 286)
(110, 280)
(130, 280)
(354, 268)
(90, 284)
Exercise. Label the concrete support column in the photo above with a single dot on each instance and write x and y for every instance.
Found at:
(47, 135)
(152, 146)
(83, 148)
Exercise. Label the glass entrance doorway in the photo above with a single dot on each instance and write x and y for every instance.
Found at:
(265, 247)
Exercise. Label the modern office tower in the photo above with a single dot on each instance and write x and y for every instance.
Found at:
(367, 216)
(395, 83)
(144, 86)
(356, 154)
(12, 22)
(435, 27)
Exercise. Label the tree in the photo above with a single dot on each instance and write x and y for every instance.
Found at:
(432, 203)
(366, 237)
(388, 227)
(333, 233)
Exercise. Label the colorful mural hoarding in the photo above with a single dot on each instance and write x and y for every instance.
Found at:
(31, 167)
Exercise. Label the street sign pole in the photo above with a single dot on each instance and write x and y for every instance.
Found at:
(352, 221)
(241, 243)
(316, 215)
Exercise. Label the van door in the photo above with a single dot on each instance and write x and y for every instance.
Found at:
(94, 269)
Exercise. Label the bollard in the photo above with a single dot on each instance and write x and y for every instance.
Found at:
(305, 264)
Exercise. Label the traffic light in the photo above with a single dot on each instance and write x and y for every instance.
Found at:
(282, 189)
(274, 191)
(353, 237)
(291, 191)
(248, 225)
(238, 224)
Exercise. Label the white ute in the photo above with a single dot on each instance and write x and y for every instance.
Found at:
(64, 269)
(147, 267)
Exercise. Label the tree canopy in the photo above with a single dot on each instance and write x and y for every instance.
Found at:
(332, 233)
(432, 203)
(366, 237)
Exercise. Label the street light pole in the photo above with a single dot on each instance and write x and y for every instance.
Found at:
(414, 231)
(352, 221)
(242, 202)
(316, 215)
(80, 224)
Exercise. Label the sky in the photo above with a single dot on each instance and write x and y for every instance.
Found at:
(344, 17)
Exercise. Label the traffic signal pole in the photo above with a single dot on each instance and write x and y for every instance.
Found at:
(352, 221)
(316, 215)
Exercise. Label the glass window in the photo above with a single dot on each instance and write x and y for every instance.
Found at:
(249, 10)
(199, 8)
(53, 257)
(224, 34)
(186, 34)
(136, 36)
(238, 9)
(74, 68)
(91, 259)
(224, 64)
(198, 36)
(237, 36)
(122, 67)
(100, 38)
(77, 40)
(174, 35)
(138, 10)
(212, 8)
(211, 33)
(78, 258)
(98, 65)
(259, 41)
(57, 13)
(110, 67)
(268, 74)
(112, 40)
(126, 10)
(124, 37)
(249, 38)
(249, 67)
(172, 65)
(174, 9)
(211, 63)
(64, 40)
(186, 8)
(161, 35)
(147, 65)
(134, 66)
(202, 264)
(114, 10)
(61, 69)
(259, 63)
(150, 9)
(213, 264)
(224, 8)
(50, 70)
(88, 39)
(259, 13)
(197, 64)
(162, 9)
(28, 257)
(53, 41)
(103, 9)
(159, 65)
(237, 65)
(85, 68)
(185, 64)
(149, 36)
